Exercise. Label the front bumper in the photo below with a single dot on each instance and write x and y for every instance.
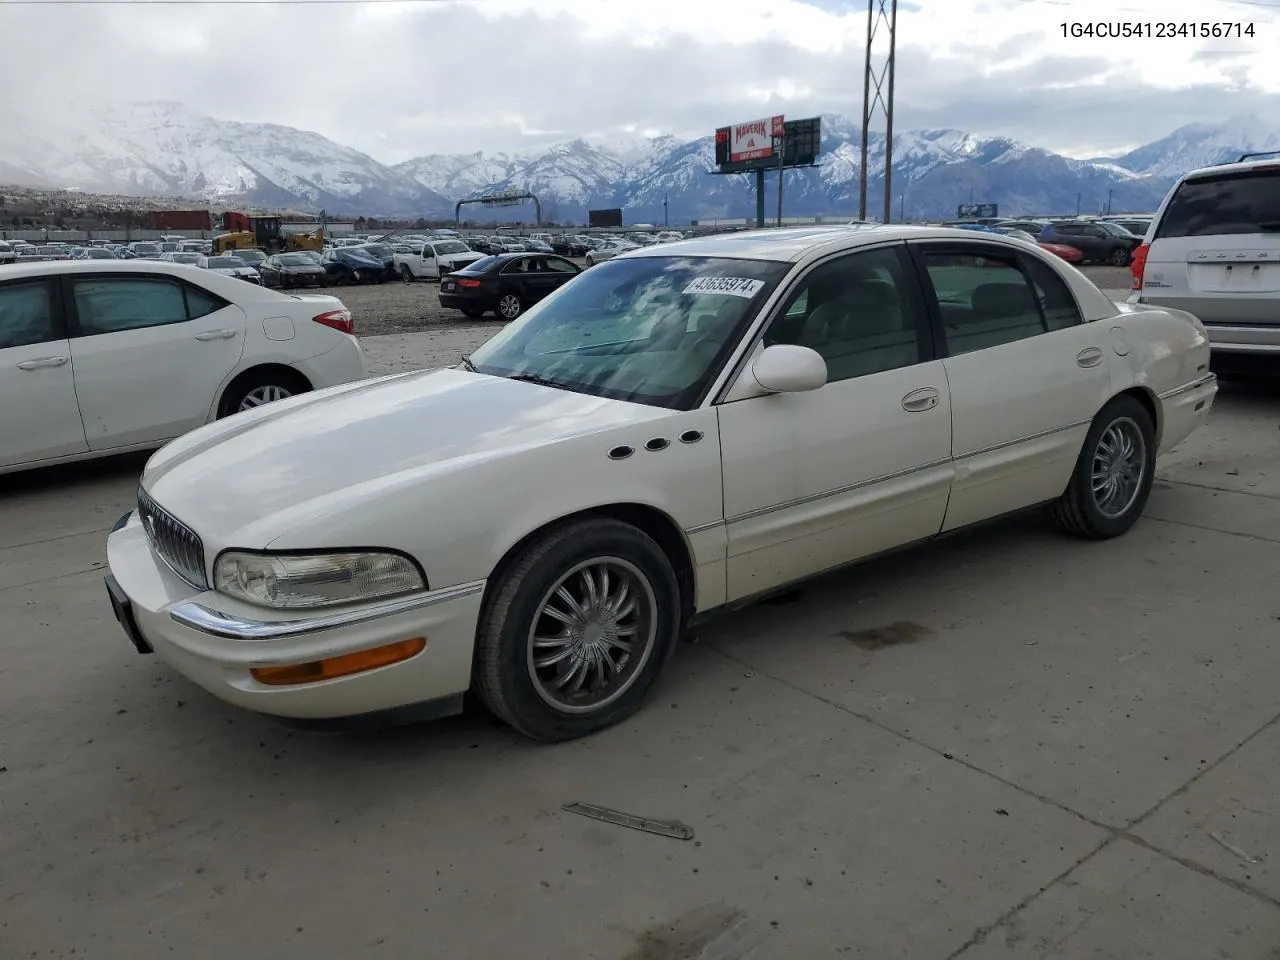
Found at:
(214, 641)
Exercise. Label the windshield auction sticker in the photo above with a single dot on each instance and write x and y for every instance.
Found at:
(730, 286)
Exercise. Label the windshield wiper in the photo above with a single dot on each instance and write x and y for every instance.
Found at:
(466, 362)
(534, 378)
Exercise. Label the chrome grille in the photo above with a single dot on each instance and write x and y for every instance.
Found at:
(173, 541)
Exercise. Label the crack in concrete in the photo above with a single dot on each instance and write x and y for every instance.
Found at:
(64, 536)
(1209, 486)
(1209, 529)
(1113, 832)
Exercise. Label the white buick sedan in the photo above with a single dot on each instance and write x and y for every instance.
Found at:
(682, 429)
(100, 357)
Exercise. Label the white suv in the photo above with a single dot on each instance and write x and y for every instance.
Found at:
(1214, 251)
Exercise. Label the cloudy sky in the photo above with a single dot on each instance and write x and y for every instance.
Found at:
(401, 78)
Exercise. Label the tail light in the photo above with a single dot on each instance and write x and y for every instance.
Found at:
(1139, 264)
(339, 320)
(469, 284)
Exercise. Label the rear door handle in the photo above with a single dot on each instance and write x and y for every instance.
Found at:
(42, 362)
(216, 335)
(917, 401)
(1089, 357)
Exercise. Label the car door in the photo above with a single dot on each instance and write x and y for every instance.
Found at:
(515, 276)
(150, 354)
(559, 272)
(1026, 373)
(815, 480)
(39, 416)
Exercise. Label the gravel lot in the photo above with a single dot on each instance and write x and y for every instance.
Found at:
(403, 326)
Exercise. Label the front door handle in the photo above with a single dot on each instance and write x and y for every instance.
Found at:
(1089, 357)
(216, 335)
(917, 401)
(42, 362)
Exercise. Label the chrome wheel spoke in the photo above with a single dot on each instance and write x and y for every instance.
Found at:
(592, 635)
(1119, 468)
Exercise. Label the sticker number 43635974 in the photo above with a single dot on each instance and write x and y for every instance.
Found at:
(730, 286)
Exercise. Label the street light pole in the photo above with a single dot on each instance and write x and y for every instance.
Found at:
(666, 222)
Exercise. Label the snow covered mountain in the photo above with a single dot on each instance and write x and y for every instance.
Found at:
(164, 149)
(1201, 145)
(934, 171)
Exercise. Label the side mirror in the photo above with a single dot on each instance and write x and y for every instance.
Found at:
(788, 368)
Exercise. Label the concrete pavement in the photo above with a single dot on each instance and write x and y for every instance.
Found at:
(1007, 744)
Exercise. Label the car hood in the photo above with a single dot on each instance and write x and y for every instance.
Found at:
(252, 477)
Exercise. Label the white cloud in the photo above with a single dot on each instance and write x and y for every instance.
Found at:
(404, 79)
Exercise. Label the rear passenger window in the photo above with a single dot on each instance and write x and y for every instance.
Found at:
(201, 303)
(1230, 203)
(26, 314)
(984, 300)
(114, 304)
(1057, 302)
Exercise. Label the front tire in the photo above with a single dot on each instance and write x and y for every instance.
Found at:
(1113, 475)
(577, 630)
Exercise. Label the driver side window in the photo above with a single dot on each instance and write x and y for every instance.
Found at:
(857, 311)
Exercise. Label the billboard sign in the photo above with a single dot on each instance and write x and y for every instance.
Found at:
(605, 218)
(977, 211)
(753, 140)
(801, 139)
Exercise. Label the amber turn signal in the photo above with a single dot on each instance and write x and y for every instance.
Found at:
(342, 666)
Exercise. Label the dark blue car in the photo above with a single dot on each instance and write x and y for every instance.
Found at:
(351, 265)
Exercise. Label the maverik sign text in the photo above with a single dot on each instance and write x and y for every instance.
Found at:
(753, 140)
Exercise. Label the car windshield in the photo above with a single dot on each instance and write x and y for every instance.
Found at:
(650, 330)
(450, 246)
(142, 248)
(185, 257)
(224, 263)
(251, 256)
(295, 260)
(97, 253)
(380, 250)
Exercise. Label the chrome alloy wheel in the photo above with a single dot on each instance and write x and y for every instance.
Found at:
(268, 393)
(592, 635)
(509, 306)
(1119, 467)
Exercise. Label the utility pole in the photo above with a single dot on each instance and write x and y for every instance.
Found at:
(781, 143)
(1077, 204)
(880, 13)
(1109, 191)
(666, 221)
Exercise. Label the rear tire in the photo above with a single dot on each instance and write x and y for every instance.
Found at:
(1113, 475)
(510, 306)
(256, 389)
(1120, 257)
(516, 670)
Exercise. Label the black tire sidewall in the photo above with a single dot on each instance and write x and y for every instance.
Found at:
(593, 539)
(232, 399)
(1082, 488)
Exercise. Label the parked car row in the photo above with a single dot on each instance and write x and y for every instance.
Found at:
(21, 251)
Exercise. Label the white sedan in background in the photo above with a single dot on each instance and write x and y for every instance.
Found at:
(608, 250)
(678, 431)
(103, 357)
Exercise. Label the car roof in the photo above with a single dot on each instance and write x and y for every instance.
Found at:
(96, 266)
(793, 244)
(1221, 169)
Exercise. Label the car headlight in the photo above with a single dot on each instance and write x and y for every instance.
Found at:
(293, 581)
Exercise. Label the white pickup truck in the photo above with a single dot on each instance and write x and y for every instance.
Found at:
(433, 259)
